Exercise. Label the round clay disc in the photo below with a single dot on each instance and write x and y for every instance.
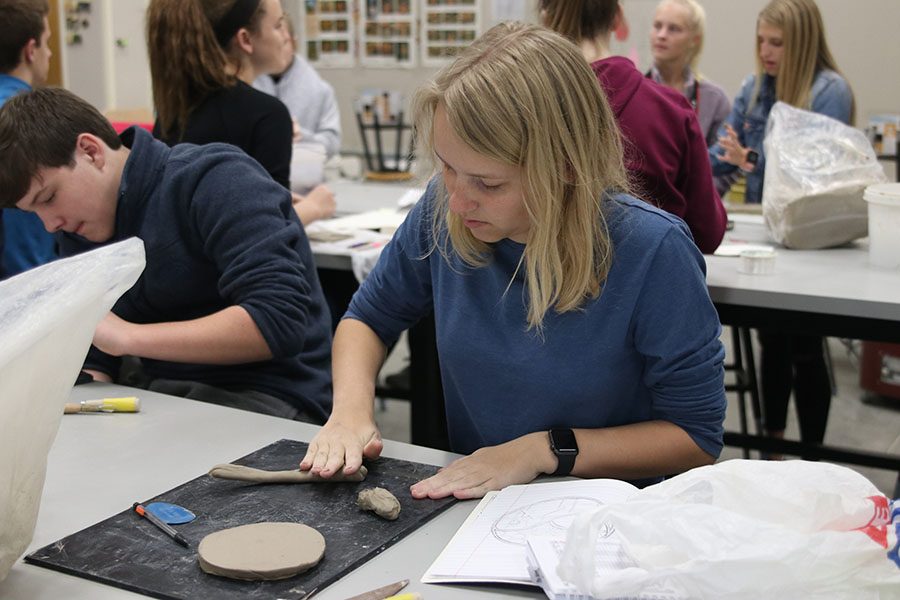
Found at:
(261, 551)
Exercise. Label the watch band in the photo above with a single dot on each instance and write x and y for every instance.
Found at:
(565, 447)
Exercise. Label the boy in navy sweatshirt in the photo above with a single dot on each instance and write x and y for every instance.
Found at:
(229, 308)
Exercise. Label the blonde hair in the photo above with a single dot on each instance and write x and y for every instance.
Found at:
(696, 22)
(805, 51)
(524, 96)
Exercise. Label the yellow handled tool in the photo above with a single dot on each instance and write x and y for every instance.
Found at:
(126, 404)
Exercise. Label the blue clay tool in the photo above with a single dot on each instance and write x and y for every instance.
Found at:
(170, 513)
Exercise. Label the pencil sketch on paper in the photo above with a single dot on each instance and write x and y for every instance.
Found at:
(544, 518)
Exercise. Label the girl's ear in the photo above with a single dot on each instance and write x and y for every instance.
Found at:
(620, 24)
(243, 40)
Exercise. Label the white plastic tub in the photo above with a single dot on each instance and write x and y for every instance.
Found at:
(884, 224)
(307, 167)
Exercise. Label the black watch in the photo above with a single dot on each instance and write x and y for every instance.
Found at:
(564, 446)
(752, 157)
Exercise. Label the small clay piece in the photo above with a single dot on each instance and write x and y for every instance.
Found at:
(261, 551)
(380, 501)
(242, 473)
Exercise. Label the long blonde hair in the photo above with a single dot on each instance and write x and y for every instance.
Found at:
(805, 51)
(524, 96)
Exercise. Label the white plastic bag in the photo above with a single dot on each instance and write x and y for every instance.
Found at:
(816, 171)
(47, 321)
(742, 530)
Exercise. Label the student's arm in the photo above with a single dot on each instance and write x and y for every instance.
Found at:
(704, 213)
(834, 100)
(735, 121)
(271, 143)
(636, 451)
(318, 204)
(395, 295)
(328, 129)
(226, 337)
(350, 433)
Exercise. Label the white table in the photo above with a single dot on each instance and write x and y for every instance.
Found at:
(101, 464)
(833, 291)
(353, 197)
(829, 292)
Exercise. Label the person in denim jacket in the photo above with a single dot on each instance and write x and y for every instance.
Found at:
(794, 65)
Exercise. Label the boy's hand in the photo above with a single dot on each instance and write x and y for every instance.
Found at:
(113, 335)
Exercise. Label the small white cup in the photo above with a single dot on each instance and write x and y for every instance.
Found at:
(757, 262)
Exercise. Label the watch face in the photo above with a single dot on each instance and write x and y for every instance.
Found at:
(752, 157)
(563, 441)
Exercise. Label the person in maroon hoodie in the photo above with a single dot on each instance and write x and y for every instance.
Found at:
(666, 153)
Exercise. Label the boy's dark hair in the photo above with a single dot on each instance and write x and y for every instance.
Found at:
(580, 19)
(20, 21)
(39, 129)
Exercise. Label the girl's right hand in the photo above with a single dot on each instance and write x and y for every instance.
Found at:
(342, 444)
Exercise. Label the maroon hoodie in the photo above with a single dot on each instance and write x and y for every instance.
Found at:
(665, 152)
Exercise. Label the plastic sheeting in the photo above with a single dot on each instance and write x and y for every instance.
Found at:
(47, 321)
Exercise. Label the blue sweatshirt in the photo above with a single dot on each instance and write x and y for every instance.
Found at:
(647, 348)
(219, 232)
(24, 243)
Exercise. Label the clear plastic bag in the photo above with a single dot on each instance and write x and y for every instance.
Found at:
(47, 321)
(816, 171)
(742, 530)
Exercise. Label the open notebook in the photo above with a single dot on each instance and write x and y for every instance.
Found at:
(491, 545)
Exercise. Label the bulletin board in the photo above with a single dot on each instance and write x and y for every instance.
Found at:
(329, 32)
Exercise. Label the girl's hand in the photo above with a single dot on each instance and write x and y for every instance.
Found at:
(732, 151)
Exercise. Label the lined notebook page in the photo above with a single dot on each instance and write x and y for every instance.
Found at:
(491, 545)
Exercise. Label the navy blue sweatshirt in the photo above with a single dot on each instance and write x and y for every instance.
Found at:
(219, 232)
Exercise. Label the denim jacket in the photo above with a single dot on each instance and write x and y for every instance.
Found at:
(830, 96)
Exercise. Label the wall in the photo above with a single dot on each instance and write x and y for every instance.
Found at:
(862, 36)
(109, 67)
(86, 68)
(349, 82)
(859, 35)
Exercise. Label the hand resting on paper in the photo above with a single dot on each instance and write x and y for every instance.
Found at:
(490, 468)
(342, 443)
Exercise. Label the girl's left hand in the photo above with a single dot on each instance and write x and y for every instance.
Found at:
(490, 468)
(732, 151)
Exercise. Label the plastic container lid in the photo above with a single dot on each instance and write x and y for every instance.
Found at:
(883, 193)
